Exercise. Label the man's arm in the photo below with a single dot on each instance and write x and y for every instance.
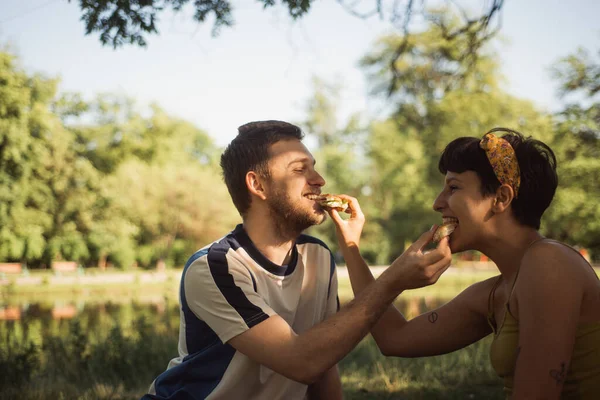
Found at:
(453, 326)
(329, 387)
(307, 356)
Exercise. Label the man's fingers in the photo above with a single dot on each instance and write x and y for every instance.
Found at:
(442, 250)
(424, 239)
(432, 256)
(440, 267)
(444, 244)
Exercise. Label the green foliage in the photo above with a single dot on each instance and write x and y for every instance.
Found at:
(121, 188)
(19, 151)
(19, 357)
(575, 216)
(130, 22)
(339, 152)
(431, 107)
(102, 182)
(170, 203)
(78, 358)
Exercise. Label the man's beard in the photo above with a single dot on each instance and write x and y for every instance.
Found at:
(290, 220)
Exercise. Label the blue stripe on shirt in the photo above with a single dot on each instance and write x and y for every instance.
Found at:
(196, 377)
(217, 263)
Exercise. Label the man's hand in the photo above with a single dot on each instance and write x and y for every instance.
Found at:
(415, 268)
(349, 230)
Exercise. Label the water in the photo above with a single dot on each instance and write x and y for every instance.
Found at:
(125, 309)
(112, 346)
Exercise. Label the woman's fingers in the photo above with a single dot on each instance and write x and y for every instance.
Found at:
(353, 206)
(335, 216)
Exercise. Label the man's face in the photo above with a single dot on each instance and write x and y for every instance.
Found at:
(293, 184)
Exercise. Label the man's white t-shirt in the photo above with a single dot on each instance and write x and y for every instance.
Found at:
(229, 287)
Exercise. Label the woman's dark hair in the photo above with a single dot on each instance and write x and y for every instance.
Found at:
(249, 151)
(537, 164)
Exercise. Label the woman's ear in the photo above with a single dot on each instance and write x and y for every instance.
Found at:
(255, 184)
(504, 196)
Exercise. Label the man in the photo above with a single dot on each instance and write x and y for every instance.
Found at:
(258, 307)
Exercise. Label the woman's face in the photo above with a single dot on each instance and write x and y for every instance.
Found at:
(461, 198)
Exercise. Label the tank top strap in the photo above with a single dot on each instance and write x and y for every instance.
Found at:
(512, 289)
(491, 301)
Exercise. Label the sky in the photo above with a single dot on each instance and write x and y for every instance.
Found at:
(262, 67)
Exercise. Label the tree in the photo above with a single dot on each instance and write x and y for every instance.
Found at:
(429, 109)
(49, 193)
(22, 101)
(155, 172)
(339, 153)
(574, 216)
(176, 208)
(121, 188)
(130, 22)
(120, 133)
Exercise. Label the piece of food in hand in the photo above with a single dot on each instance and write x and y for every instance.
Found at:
(333, 202)
(447, 227)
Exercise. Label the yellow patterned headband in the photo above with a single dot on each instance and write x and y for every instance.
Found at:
(503, 159)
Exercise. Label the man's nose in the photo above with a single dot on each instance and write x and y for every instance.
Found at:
(316, 179)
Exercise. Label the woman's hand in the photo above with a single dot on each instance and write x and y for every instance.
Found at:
(348, 230)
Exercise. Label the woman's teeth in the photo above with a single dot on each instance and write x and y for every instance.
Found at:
(450, 220)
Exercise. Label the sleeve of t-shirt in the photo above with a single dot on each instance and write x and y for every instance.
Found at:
(220, 291)
(333, 302)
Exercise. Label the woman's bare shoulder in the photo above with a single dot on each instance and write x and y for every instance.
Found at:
(553, 263)
(552, 281)
(553, 253)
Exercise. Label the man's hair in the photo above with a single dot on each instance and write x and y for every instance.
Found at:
(249, 151)
(537, 164)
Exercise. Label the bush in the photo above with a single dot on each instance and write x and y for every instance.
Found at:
(19, 358)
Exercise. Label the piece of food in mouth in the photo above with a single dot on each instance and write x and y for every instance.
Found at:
(447, 227)
(333, 202)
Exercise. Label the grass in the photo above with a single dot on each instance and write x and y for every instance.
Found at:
(128, 285)
(466, 374)
(114, 349)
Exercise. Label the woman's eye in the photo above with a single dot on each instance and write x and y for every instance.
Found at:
(301, 170)
(453, 188)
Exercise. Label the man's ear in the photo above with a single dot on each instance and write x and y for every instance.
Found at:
(504, 197)
(255, 184)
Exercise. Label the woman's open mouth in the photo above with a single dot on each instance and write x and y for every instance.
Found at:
(450, 221)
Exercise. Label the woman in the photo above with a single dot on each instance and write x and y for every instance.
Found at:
(543, 308)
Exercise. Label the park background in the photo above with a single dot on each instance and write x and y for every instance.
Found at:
(109, 176)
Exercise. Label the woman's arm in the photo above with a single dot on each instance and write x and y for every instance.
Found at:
(549, 299)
